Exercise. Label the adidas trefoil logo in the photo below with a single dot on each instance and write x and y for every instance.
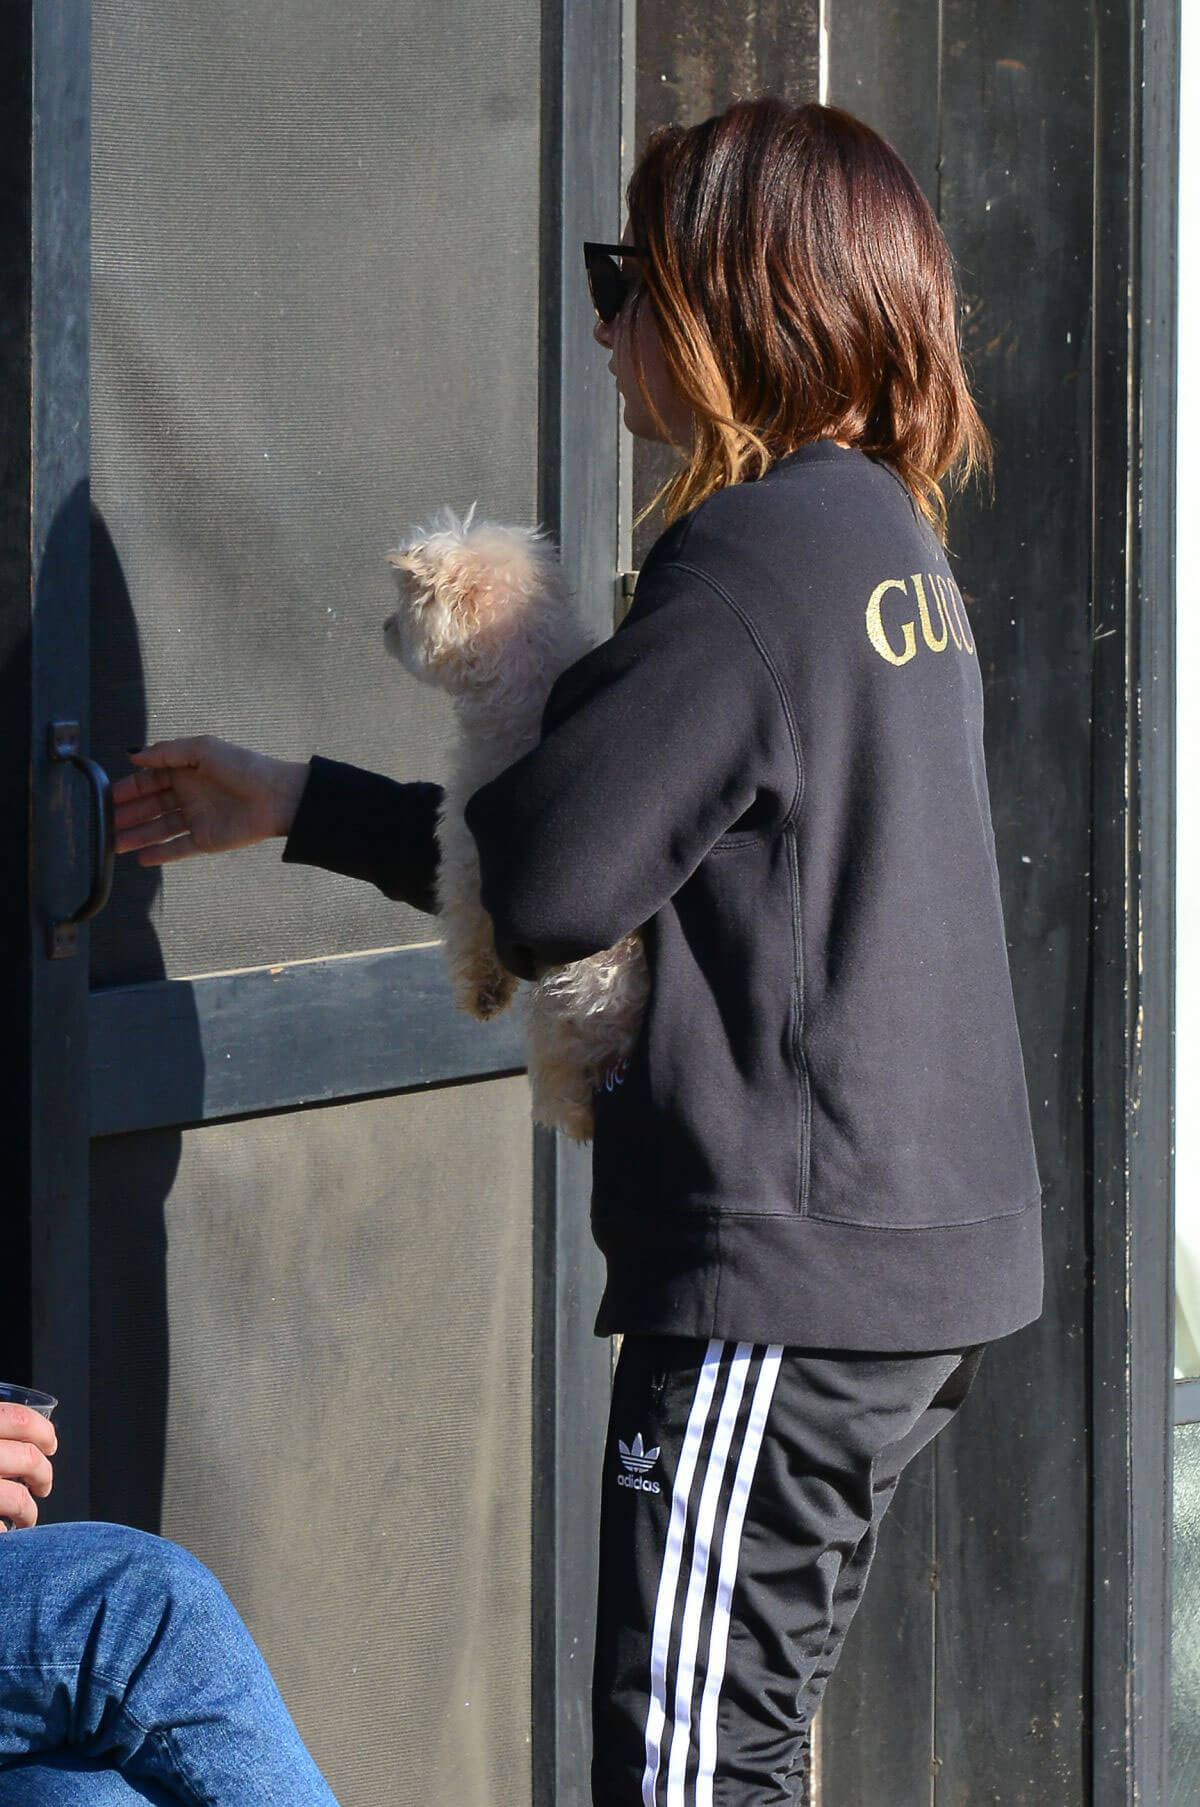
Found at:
(637, 1461)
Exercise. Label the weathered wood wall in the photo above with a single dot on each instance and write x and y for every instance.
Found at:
(963, 1679)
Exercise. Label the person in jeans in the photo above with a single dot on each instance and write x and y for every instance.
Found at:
(814, 1180)
(126, 1675)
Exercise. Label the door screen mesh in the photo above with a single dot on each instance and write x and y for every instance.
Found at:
(343, 1313)
(314, 317)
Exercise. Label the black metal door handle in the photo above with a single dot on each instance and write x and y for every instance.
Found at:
(64, 746)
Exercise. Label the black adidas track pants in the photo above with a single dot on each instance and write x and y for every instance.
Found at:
(742, 1493)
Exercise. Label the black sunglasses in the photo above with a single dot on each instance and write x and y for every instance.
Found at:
(607, 281)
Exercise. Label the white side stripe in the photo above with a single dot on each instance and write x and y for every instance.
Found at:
(664, 1605)
(689, 1636)
(727, 1572)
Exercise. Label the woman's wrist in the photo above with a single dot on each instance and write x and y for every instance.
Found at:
(287, 781)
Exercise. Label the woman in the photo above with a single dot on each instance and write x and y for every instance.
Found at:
(815, 1183)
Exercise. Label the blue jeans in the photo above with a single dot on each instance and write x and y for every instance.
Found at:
(126, 1676)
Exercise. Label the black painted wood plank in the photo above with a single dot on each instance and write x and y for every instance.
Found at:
(875, 1731)
(874, 1726)
(270, 1038)
(1012, 1499)
(883, 67)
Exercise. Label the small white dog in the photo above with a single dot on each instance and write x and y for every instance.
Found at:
(485, 614)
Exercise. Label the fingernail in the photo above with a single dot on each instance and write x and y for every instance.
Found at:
(134, 749)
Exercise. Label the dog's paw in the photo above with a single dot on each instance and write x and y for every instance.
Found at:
(486, 989)
(570, 1116)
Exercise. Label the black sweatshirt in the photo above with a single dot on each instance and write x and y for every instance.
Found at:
(775, 768)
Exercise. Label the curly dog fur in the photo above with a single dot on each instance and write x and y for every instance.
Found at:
(485, 614)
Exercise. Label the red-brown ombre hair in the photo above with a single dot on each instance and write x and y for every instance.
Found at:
(802, 289)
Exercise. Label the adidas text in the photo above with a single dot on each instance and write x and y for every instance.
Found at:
(638, 1481)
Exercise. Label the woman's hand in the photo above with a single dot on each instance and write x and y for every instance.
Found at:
(27, 1441)
(203, 796)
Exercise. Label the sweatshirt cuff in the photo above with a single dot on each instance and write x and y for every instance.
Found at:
(366, 826)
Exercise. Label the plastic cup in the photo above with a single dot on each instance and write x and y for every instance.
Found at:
(45, 1403)
(11, 1394)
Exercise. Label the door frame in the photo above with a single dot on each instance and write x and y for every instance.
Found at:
(1131, 991)
(44, 610)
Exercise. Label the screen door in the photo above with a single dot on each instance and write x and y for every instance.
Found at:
(332, 1311)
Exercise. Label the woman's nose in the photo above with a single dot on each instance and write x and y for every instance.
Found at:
(602, 332)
